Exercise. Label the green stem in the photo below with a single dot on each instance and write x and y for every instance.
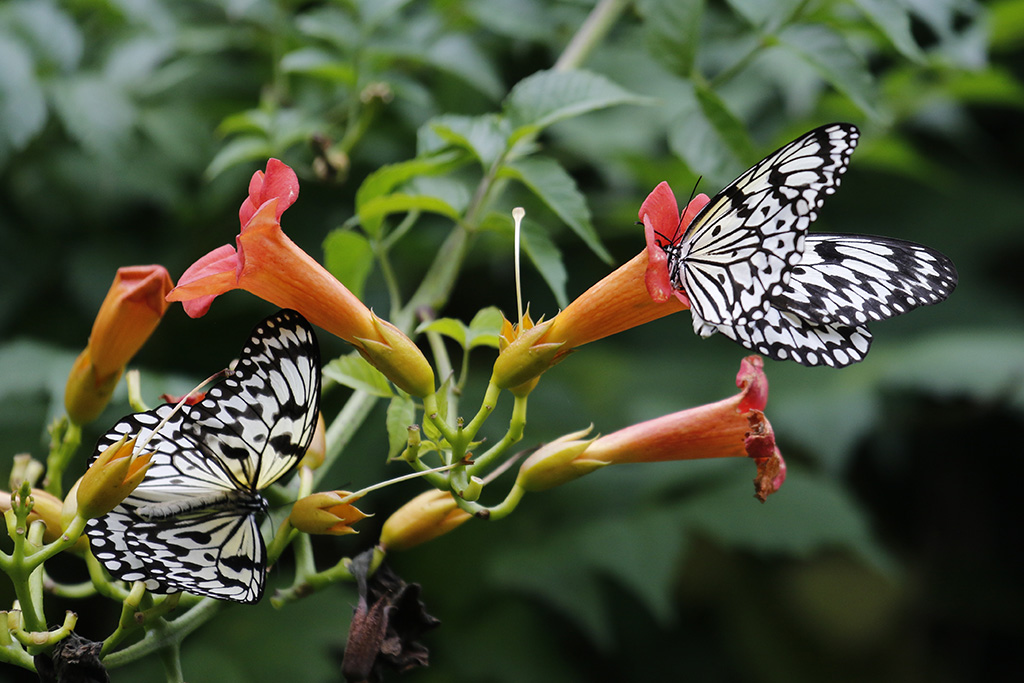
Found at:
(172, 633)
(171, 658)
(499, 511)
(73, 591)
(516, 426)
(343, 428)
(597, 25)
(67, 436)
(486, 408)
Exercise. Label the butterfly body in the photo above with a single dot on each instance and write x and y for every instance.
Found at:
(752, 272)
(193, 523)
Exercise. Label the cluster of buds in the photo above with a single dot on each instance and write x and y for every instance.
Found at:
(267, 263)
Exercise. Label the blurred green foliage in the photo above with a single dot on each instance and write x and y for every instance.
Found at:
(128, 132)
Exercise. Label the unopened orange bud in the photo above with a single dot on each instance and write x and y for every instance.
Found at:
(325, 513)
(558, 462)
(130, 312)
(424, 518)
(398, 358)
(111, 478)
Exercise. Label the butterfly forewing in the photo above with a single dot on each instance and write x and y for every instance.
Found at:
(257, 421)
(191, 525)
(741, 247)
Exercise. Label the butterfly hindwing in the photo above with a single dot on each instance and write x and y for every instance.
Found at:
(739, 249)
(784, 336)
(192, 524)
(856, 279)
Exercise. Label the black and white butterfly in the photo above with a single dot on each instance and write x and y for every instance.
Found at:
(751, 271)
(192, 525)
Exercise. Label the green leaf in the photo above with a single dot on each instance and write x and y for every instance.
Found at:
(485, 327)
(49, 32)
(373, 212)
(672, 32)
(352, 370)
(375, 12)
(546, 256)
(893, 20)
(767, 14)
(452, 191)
(829, 54)
(485, 137)
(372, 195)
(548, 97)
(99, 115)
(320, 64)
(22, 102)
(641, 549)
(808, 515)
(711, 140)
(546, 178)
(449, 327)
(460, 56)
(401, 415)
(349, 257)
(240, 150)
(482, 330)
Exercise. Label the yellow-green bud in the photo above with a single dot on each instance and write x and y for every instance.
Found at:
(325, 513)
(398, 358)
(111, 478)
(424, 518)
(558, 462)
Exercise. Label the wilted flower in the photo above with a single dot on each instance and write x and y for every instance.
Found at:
(388, 621)
(431, 514)
(130, 312)
(267, 263)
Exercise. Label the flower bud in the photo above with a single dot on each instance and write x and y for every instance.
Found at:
(25, 468)
(130, 312)
(424, 518)
(45, 507)
(398, 358)
(317, 450)
(525, 358)
(111, 478)
(325, 513)
(558, 462)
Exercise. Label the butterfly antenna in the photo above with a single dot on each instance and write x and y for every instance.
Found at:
(693, 193)
(518, 214)
(184, 399)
